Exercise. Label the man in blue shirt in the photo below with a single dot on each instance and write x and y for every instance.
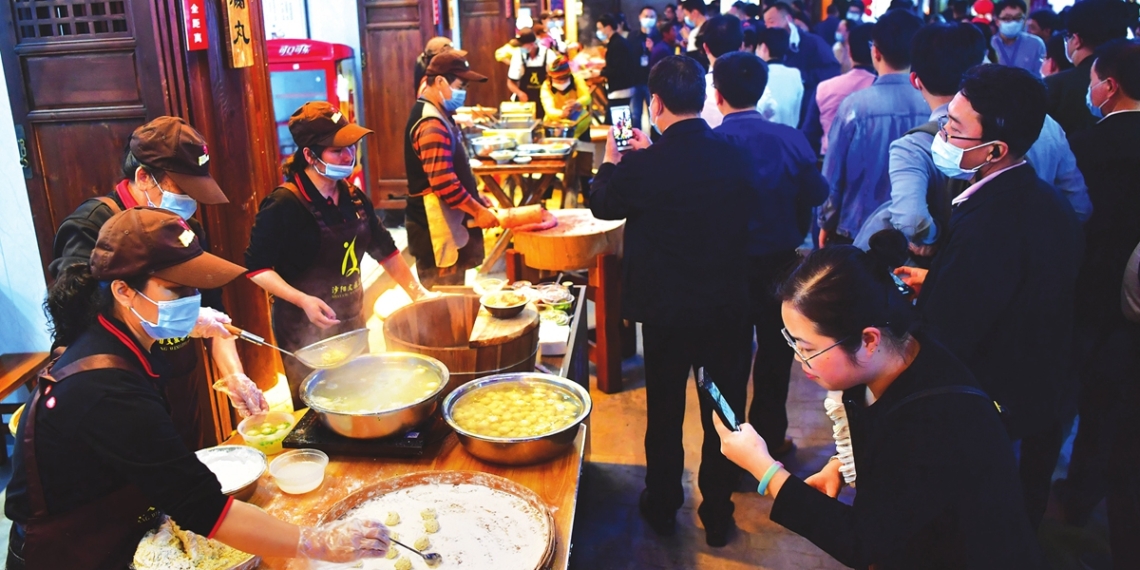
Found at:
(867, 122)
(789, 186)
(1013, 46)
(919, 205)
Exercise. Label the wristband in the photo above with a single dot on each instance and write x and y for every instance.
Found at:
(767, 478)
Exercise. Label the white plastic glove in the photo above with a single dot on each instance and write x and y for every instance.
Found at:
(344, 541)
(211, 324)
(244, 395)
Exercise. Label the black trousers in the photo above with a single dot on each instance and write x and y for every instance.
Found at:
(1039, 454)
(1124, 483)
(671, 352)
(771, 368)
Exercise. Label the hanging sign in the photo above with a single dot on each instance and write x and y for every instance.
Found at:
(239, 40)
(194, 13)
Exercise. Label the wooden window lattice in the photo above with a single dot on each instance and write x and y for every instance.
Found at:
(69, 19)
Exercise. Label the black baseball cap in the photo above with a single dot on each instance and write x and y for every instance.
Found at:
(169, 144)
(318, 123)
(453, 63)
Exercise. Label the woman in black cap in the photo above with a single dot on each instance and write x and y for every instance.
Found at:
(311, 233)
(98, 458)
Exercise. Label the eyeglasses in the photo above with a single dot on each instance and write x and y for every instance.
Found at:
(947, 136)
(803, 358)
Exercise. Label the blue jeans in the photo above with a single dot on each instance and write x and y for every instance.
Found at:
(639, 101)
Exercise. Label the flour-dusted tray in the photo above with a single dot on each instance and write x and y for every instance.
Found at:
(484, 521)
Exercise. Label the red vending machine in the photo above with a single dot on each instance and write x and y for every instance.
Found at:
(309, 70)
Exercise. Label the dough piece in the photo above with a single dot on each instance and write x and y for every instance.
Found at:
(431, 526)
(393, 518)
(392, 552)
(422, 543)
(427, 514)
(403, 564)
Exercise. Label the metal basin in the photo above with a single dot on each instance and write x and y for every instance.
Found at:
(518, 451)
(243, 467)
(364, 372)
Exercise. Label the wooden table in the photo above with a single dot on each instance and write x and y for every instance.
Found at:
(16, 370)
(556, 482)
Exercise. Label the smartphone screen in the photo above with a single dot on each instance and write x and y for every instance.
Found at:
(622, 120)
(720, 406)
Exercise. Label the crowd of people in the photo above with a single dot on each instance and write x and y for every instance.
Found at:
(963, 188)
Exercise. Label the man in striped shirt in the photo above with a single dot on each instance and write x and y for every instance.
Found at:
(442, 195)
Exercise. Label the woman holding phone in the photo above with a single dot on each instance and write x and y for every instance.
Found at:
(937, 480)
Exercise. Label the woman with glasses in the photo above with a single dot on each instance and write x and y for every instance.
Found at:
(937, 481)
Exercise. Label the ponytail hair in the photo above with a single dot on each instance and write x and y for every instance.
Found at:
(76, 299)
(843, 290)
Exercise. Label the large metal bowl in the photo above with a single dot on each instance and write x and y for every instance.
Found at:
(244, 478)
(518, 451)
(484, 146)
(363, 371)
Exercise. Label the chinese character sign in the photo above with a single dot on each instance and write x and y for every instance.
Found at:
(194, 14)
(239, 32)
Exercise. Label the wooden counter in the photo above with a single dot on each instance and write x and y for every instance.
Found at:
(556, 482)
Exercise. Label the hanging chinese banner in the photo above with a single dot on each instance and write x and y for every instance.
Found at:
(194, 13)
(239, 43)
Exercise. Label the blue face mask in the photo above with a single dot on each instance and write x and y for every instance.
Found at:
(948, 159)
(458, 98)
(601, 35)
(1094, 109)
(689, 22)
(337, 171)
(175, 318)
(182, 205)
(648, 23)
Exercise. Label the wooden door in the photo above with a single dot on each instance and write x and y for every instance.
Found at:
(392, 36)
(78, 71)
(485, 25)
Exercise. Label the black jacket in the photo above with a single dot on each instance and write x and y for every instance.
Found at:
(1108, 153)
(936, 478)
(1067, 91)
(621, 64)
(1000, 294)
(685, 201)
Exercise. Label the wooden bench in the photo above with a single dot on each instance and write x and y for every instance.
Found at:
(17, 370)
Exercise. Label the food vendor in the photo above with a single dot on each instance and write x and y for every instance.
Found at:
(566, 97)
(310, 234)
(166, 165)
(442, 195)
(97, 457)
(528, 68)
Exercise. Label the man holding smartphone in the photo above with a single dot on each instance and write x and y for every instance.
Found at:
(696, 219)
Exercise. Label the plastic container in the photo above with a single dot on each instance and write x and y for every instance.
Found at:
(299, 471)
(265, 432)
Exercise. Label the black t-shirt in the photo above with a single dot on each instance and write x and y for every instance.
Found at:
(108, 429)
(285, 236)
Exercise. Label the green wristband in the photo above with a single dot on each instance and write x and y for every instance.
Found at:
(767, 478)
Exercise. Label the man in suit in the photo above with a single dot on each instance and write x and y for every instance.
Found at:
(1109, 155)
(807, 52)
(684, 279)
(999, 293)
(791, 186)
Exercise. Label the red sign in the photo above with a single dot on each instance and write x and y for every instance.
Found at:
(194, 13)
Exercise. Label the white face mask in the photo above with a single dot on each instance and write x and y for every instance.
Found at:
(948, 158)
(561, 85)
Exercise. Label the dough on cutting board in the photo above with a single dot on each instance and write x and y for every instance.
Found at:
(392, 519)
(431, 526)
(422, 543)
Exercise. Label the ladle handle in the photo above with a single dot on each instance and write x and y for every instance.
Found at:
(250, 337)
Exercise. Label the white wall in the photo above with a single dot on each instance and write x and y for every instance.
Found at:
(23, 326)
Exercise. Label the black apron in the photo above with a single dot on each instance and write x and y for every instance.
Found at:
(103, 534)
(419, 237)
(533, 78)
(334, 277)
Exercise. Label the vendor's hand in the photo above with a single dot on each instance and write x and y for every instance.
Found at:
(244, 395)
(828, 481)
(344, 541)
(318, 312)
(745, 447)
(485, 218)
(912, 276)
(211, 324)
(422, 293)
(522, 97)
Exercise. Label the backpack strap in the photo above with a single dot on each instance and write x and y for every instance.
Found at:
(108, 202)
(943, 390)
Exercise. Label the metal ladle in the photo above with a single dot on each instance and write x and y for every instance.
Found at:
(354, 343)
(431, 558)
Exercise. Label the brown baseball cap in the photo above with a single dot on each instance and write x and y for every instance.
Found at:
(318, 123)
(440, 44)
(168, 143)
(154, 242)
(453, 63)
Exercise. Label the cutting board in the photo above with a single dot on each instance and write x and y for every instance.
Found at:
(573, 244)
(491, 331)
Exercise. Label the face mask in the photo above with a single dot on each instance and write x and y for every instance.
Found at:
(184, 206)
(948, 158)
(601, 35)
(175, 318)
(1094, 109)
(648, 23)
(1010, 29)
(337, 171)
(561, 85)
(458, 98)
(557, 24)
(856, 17)
(838, 37)
(689, 22)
